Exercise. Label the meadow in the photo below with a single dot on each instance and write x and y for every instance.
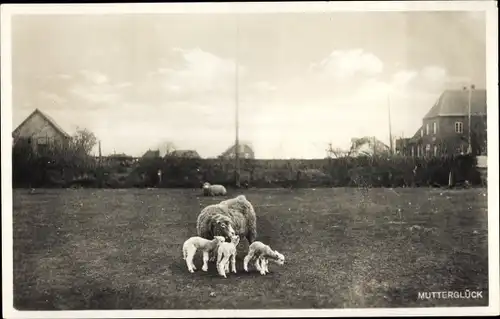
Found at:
(80, 249)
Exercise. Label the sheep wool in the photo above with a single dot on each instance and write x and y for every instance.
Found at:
(234, 213)
(195, 243)
(262, 254)
(213, 190)
(226, 255)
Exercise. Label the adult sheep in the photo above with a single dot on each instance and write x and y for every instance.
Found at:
(231, 216)
(213, 190)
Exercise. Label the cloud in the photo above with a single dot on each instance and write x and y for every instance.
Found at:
(95, 94)
(343, 64)
(52, 97)
(94, 77)
(201, 72)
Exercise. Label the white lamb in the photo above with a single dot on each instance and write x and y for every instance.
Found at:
(213, 190)
(191, 245)
(262, 253)
(226, 254)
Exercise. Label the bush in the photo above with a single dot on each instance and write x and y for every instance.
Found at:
(59, 168)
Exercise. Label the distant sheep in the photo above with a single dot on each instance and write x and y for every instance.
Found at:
(229, 217)
(262, 253)
(226, 254)
(213, 190)
(191, 245)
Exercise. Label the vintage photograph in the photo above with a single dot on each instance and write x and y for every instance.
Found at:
(246, 160)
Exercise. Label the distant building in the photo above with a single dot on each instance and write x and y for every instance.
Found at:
(368, 146)
(445, 128)
(41, 131)
(151, 154)
(245, 152)
(185, 154)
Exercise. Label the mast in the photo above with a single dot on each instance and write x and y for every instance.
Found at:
(390, 125)
(236, 97)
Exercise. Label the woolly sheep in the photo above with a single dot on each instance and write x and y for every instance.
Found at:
(226, 254)
(192, 244)
(213, 190)
(231, 215)
(262, 253)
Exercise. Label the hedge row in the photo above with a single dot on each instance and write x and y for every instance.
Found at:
(55, 170)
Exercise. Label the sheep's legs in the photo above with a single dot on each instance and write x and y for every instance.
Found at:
(222, 266)
(247, 260)
(189, 261)
(233, 262)
(266, 265)
(205, 260)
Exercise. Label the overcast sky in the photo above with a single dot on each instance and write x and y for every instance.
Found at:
(305, 80)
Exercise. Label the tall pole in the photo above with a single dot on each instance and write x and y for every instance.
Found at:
(390, 126)
(236, 81)
(469, 148)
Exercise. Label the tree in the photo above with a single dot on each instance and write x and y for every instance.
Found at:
(83, 141)
(166, 148)
(336, 152)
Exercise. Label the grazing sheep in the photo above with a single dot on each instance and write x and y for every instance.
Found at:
(213, 190)
(262, 253)
(234, 215)
(191, 245)
(226, 254)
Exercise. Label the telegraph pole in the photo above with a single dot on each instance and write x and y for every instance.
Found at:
(469, 148)
(390, 126)
(237, 139)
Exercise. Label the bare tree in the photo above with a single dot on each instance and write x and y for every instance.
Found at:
(336, 152)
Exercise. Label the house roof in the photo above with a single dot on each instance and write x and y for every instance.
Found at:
(456, 103)
(47, 118)
(244, 148)
(152, 153)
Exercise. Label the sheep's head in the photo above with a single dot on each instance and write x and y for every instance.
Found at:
(278, 258)
(235, 240)
(206, 185)
(225, 229)
(219, 239)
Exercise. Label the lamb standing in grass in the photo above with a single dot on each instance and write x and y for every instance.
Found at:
(262, 253)
(191, 245)
(213, 190)
(226, 254)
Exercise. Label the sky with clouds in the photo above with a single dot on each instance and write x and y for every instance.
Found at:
(305, 80)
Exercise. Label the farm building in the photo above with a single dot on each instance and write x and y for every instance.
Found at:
(445, 128)
(40, 131)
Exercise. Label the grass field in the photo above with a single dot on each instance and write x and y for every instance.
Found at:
(344, 248)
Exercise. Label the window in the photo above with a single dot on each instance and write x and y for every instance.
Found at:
(435, 150)
(418, 151)
(427, 129)
(422, 132)
(459, 127)
(413, 151)
(435, 127)
(428, 148)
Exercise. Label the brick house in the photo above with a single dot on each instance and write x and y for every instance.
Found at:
(445, 128)
(41, 132)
